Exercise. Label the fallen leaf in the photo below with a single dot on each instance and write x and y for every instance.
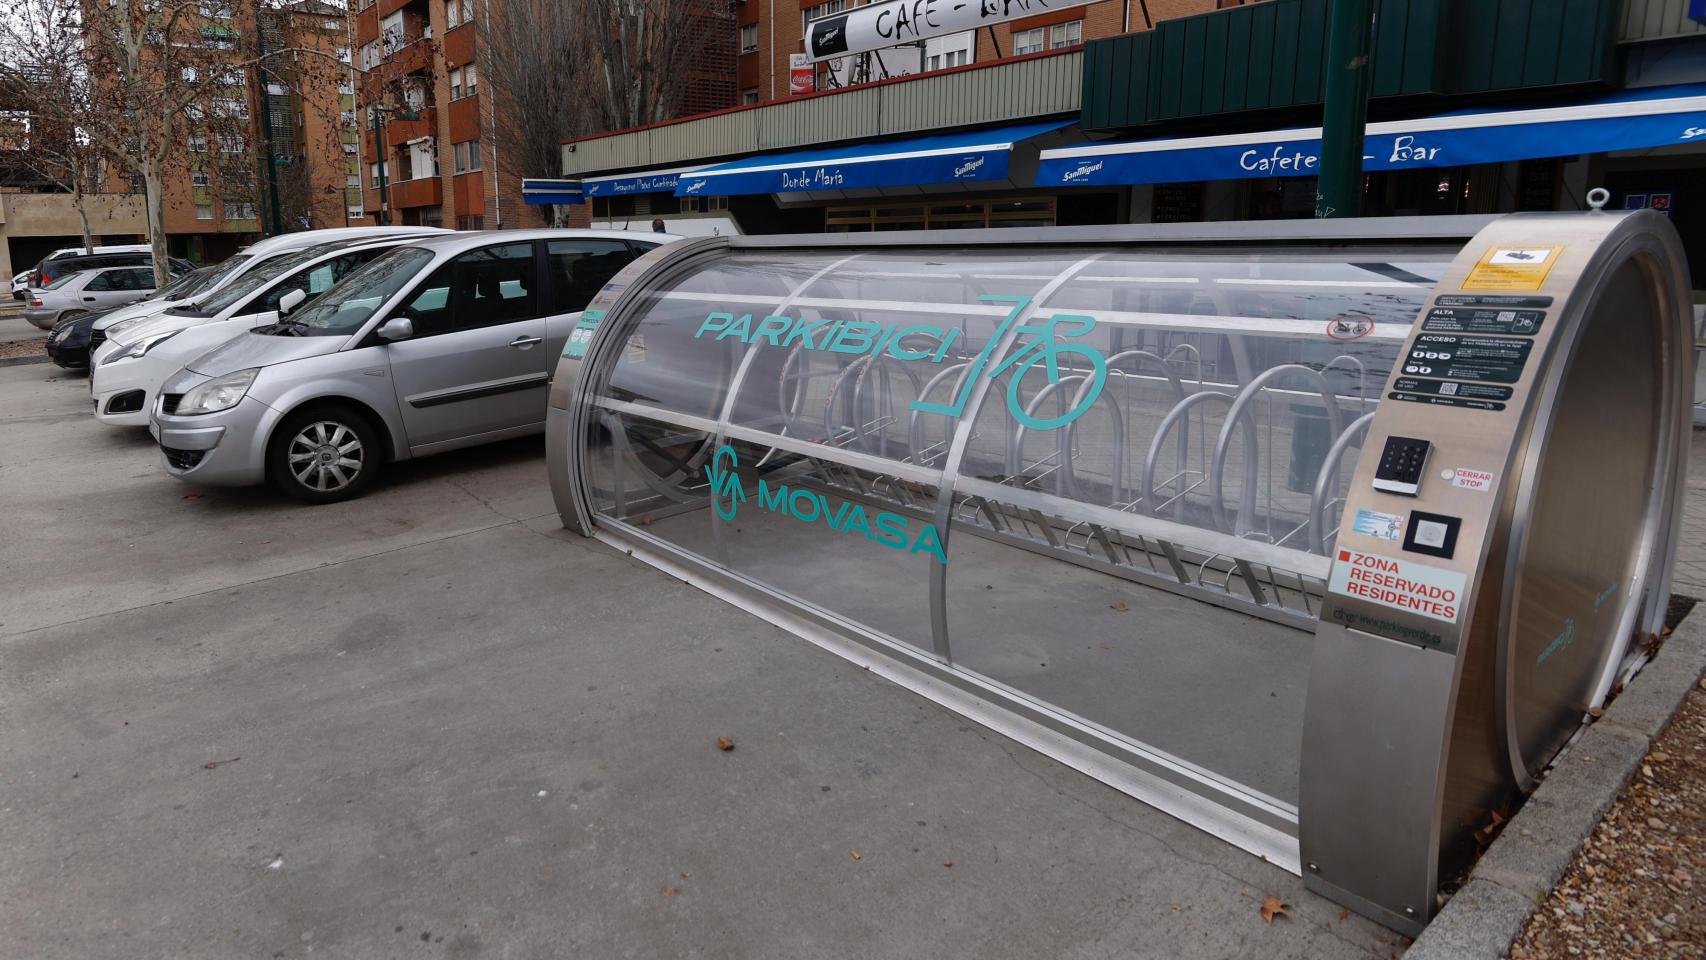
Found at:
(671, 890)
(192, 496)
(1658, 757)
(1343, 914)
(1273, 906)
(1176, 906)
(855, 854)
(645, 520)
(1118, 605)
(209, 765)
(947, 863)
(1596, 712)
(725, 744)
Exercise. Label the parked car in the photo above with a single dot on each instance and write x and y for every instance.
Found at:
(234, 267)
(69, 344)
(21, 282)
(443, 343)
(129, 368)
(51, 270)
(86, 291)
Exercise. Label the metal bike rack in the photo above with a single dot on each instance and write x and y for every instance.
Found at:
(1161, 500)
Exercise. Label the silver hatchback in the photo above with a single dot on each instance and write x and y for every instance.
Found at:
(443, 343)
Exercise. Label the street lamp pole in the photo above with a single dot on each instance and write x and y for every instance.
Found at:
(403, 113)
(1345, 112)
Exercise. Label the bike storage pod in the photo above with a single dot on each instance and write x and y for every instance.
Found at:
(1322, 536)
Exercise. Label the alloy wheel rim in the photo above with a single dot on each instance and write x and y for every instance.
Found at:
(326, 456)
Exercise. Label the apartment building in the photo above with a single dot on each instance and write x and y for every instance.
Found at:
(419, 89)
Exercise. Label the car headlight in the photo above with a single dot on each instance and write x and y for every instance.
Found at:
(141, 347)
(220, 393)
(117, 330)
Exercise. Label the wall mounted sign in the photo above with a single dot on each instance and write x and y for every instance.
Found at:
(882, 25)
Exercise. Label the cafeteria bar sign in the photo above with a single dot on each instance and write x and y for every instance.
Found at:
(881, 25)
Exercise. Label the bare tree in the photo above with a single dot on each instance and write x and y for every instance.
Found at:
(559, 69)
(160, 85)
(42, 76)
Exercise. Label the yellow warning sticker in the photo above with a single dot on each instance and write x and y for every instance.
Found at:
(1512, 268)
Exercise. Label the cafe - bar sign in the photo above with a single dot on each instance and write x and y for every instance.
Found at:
(881, 25)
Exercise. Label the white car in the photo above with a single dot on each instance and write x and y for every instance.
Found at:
(126, 371)
(21, 284)
(234, 267)
(85, 292)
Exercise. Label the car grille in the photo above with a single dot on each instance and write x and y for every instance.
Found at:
(169, 402)
(183, 459)
(96, 338)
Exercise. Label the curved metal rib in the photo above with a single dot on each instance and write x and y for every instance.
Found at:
(1326, 482)
(1237, 413)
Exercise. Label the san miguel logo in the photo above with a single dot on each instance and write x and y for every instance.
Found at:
(829, 37)
(1083, 170)
(891, 530)
(969, 167)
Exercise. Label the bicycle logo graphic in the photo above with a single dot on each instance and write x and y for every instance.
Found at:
(1043, 349)
(725, 482)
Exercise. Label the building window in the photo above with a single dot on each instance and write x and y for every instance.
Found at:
(374, 169)
(1027, 41)
(355, 211)
(198, 178)
(749, 38)
(458, 12)
(470, 222)
(1069, 34)
(204, 211)
(464, 81)
(198, 144)
(213, 10)
(350, 149)
(370, 57)
(820, 11)
(456, 84)
(239, 211)
(189, 74)
(749, 97)
(230, 143)
(352, 180)
(391, 33)
(466, 156)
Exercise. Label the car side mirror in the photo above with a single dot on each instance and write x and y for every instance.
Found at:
(290, 301)
(397, 328)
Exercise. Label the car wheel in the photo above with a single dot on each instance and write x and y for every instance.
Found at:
(324, 454)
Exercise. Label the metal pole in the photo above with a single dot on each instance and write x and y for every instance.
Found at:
(384, 213)
(1345, 112)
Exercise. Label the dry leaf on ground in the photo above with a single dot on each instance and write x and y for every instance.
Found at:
(1118, 605)
(855, 854)
(725, 744)
(1273, 906)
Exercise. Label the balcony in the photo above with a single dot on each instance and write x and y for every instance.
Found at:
(420, 192)
(1269, 56)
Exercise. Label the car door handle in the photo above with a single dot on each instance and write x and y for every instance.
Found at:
(88, 299)
(522, 343)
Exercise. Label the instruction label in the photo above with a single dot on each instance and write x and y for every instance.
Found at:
(1495, 301)
(1512, 268)
(1467, 358)
(1450, 393)
(1471, 479)
(1382, 526)
(1400, 584)
(1483, 320)
(581, 336)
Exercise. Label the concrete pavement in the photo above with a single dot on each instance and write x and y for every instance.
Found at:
(430, 723)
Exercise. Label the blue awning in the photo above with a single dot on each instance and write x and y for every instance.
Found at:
(645, 181)
(540, 193)
(1656, 117)
(966, 157)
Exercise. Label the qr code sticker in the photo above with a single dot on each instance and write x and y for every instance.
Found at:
(1506, 316)
(1448, 389)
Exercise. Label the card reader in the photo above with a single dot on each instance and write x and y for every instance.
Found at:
(1401, 465)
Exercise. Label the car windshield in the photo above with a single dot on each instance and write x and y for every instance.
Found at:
(183, 286)
(240, 288)
(343, 309)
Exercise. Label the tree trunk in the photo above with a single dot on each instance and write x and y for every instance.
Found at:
(154, 190)
(82, 201)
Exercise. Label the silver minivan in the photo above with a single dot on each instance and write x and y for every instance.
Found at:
(445, 343)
